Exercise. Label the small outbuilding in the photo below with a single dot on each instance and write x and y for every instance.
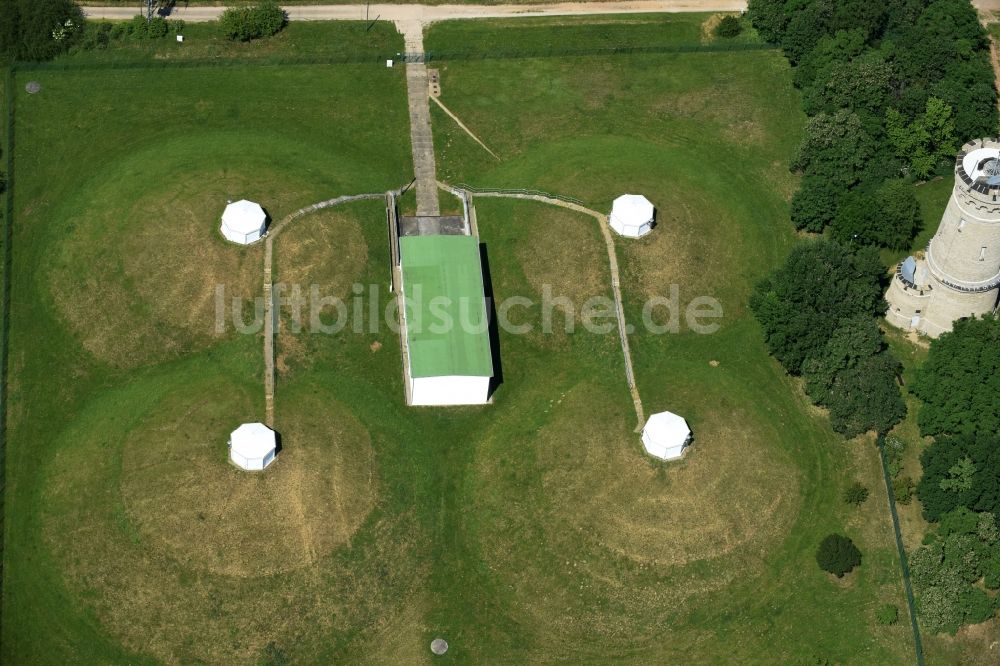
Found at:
(448, 359)
(632, 215)
(253, 446)
(666, 435)
(243, 222)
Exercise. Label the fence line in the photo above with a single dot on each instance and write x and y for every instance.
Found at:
(8, 234)
(522, 192)
(903, 562)
(380, 58)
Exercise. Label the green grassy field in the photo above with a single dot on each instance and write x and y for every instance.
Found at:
(707, 137)
(534, 530)
(298, 40)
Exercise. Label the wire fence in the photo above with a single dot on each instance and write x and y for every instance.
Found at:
(527, 193)
(903, 562)
(381, 58)
(7, 235)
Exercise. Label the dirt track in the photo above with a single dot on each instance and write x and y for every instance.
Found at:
(430, 13)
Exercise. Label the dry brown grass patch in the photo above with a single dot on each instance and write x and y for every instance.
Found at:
(186, 499)
(564, 250)
(326, 249)
(694, 245)
(137, 278)
(607, 522)
(188, 560)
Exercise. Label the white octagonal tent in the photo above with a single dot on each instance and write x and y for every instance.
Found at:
(665, 435)
(243, 222)
(631, 215)
(252, 446)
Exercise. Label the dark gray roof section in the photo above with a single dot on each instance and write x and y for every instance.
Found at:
(983, 187)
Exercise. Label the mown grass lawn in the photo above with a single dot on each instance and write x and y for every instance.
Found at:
(722, 542)
(534, 530)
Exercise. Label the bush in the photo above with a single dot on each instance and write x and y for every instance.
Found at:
(838, 555)
(991, 572)
(887, 615)
(855, 494)
(243, 24)
(902, 489)
(728, 27)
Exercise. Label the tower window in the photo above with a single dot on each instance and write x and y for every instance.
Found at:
(982, 254)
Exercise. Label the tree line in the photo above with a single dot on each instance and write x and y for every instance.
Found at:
(37, 30)
(892, 89)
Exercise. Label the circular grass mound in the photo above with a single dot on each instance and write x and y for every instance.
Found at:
(184, 497)
(127, 473)
(140, 266)
(608, 541)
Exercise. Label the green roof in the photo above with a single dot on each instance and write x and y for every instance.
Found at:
(442, 282)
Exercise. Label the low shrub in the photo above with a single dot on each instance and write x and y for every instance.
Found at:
(728, 27)
(887, 615)
(243, 24)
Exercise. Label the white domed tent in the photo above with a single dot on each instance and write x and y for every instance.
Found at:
(252, 446)
(243, 222)
(631, 215)
(665, 435)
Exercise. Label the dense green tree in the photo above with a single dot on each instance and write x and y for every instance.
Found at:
(37, 30)
(841, 47)
(947, 571)
(769, 18)
(835, 147)
(862, 84)
(815, 204)
(967, 88)
(866, 397)
(806, 27)
(925, 142)
(801, 303)
(855, 339)
(959, 383)
(991, 570)
(944, 463)
(888, 216)
(838, 555)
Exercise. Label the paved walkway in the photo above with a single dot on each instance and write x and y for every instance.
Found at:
(430, 13)
(421, 137)
(623, 328)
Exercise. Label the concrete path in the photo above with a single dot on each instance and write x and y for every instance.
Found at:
(421, 137)
(623, 328)
(430, 13)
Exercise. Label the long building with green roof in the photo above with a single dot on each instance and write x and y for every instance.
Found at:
(449, 361)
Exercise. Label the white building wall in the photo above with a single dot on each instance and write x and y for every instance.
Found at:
(663, 452)
(449, 390)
